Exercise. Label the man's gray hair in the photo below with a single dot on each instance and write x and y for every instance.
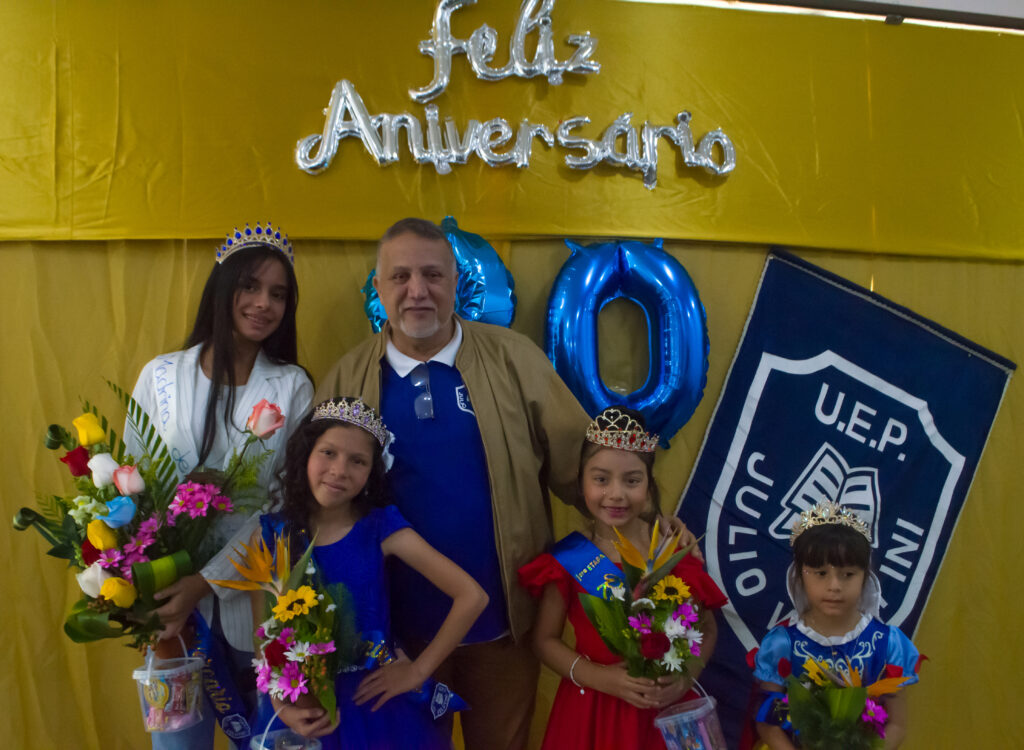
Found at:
(424, 228)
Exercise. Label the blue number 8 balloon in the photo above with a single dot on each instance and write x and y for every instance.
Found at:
(678, 343)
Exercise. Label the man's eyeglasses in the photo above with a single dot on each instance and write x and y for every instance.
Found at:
(423, 404)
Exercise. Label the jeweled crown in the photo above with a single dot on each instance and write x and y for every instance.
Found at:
(239, 239)
(827, 512)
(614, 429)
(353, 411)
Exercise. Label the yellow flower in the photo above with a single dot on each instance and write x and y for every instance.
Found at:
(100, 535)
(671, 588)
(295, 603)
(119, 591)
(816, 672)
(89, 429)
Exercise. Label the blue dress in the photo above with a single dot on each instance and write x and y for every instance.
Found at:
(874, 649)
(357, 561)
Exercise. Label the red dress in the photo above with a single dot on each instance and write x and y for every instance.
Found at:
(595, 720)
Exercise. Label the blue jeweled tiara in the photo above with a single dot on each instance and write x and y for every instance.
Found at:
(239, 239)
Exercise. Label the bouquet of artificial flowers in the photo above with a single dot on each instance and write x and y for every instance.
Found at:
(651, 618)
(829, 709)
(309, 633)
(130, 527)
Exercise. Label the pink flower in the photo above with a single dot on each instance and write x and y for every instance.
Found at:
(265, 420)
(264, 674)
(321, 648)
(287, 635)
(149, 526)
(641, 623)
(686, 614)
(128, 480)
(222, 503)
(292, 682)
(176, 507)
(875, 715)
(110, 558)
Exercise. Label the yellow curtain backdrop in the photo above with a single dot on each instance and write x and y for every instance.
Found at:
(132, 135)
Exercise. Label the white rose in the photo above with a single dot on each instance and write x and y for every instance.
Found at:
(103, 467)
(91, 579)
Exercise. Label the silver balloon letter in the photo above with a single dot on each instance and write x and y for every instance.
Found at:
(441, 46)
(344, 99)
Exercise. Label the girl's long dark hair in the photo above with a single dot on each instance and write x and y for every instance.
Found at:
(214, 327)
(298, 503)
(588, 451)
(832, 544)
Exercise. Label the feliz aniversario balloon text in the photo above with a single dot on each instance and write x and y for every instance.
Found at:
(496, 142)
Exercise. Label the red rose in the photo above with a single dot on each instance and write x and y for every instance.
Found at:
(89, 553)
(654, 645)
(77, 461)
(273, 652)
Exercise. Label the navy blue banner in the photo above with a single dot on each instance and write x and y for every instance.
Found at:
(834, 393)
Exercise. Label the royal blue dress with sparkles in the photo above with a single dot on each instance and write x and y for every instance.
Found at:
(357, 561)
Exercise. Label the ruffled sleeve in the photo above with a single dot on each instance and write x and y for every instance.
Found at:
(389, 520)
(773, 660)
(545, 569)
(701, 584)
(902, 659)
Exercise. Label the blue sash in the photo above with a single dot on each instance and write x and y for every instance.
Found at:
(435, 696)
(219, 684)
(588, 565)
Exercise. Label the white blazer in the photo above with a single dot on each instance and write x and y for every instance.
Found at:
(166, 391)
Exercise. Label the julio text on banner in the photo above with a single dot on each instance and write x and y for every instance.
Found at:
(834, 393)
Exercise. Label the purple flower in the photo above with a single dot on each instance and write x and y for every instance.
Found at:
(875, 716)
(321, 648)
(264, 674)
(685, 614)
(149, 526)
(110, 558)
(641, 623)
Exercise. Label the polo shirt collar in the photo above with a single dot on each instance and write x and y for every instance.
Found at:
(403, 364)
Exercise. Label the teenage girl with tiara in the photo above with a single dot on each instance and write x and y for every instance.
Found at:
(335, 494)
(836, 596)
(242, 350)
(598, 706)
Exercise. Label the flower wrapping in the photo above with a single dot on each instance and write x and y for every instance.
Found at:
(652, 619)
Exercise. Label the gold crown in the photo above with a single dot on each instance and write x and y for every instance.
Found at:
(353, 411)
(240, 239)
(614, 429)
(827, 512)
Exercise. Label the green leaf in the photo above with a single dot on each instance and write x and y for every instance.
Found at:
(846, 704)
(298, 570)
(163, 475)
(610, 620)
(84, 625)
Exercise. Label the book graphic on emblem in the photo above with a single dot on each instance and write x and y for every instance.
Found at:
(828, 476)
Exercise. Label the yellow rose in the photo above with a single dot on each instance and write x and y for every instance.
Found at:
(100, 535)
(119, 591)
(89, 430)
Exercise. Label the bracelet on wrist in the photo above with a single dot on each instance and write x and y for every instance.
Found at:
(573, 667)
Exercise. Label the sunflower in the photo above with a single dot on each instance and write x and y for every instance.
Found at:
(295, 602)
(671, 588)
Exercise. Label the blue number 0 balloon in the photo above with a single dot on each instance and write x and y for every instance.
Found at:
(678, 343)
(485, 288)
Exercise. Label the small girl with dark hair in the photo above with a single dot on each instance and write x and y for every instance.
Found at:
(598, 704)
(335, 494)
(242, 350)
(836, 596)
